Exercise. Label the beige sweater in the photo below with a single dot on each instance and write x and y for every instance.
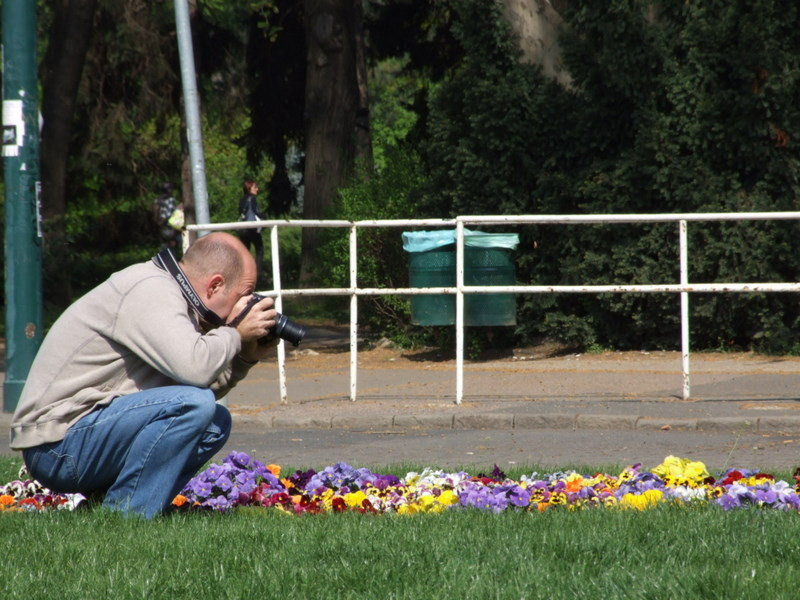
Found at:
(133, 332)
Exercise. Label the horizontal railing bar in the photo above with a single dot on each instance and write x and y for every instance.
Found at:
(504, 220)
(314, 223)
(544, 289)
(628, 218)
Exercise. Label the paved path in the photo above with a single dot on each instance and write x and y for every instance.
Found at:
(526, 409)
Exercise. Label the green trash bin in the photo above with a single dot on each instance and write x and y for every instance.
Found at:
(433, 268)
(489, 266)
(488, 260)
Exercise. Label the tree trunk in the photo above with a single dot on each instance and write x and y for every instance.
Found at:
(334, 110)
(61, 74)
(362, 132)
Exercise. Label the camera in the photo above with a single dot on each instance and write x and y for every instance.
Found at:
(285, 328)
(288, 330)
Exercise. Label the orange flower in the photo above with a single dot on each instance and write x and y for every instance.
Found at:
(287, 483)
(542, 506)
(179, 500)
(574, 486)
(6, 500)
(274, 469)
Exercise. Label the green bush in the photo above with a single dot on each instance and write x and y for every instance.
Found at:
(381, 194)
(674, 107)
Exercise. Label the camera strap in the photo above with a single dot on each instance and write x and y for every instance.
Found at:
(165, 260)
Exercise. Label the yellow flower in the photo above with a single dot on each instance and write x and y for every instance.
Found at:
(274, 469)
(354, 499)
(327, 500)
(695, 471)
(448, 497)
(681, 471)
(642, 501)
(426, 501)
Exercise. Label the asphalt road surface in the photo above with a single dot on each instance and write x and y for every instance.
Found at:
(542, 448)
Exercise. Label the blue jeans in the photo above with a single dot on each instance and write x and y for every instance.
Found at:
(139, 451)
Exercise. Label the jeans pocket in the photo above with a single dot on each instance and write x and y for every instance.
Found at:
(51, 468)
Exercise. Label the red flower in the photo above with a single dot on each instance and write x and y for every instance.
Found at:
(366, 507)
(732, 476)
(279, 498)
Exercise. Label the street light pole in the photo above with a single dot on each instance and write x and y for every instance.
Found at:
(23, 250)
(191, 101)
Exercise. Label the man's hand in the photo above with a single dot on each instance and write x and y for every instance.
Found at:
(258, 322)
(259, 350)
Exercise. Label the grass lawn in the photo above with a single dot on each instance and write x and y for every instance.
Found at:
(668, 552)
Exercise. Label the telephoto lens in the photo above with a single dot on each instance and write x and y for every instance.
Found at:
(289, 330)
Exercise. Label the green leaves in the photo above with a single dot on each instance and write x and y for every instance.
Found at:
(676, 107)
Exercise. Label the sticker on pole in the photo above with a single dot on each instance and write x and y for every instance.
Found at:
(13, 127)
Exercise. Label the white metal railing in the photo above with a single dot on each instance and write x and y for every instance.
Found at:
(683, 287)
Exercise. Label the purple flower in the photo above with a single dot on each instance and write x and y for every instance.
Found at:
(300, 479)
(213, 472)
(224, 483)
(766, 496)
(518, 496)
(246, 487)
(238, 459)
(382, 482)
(728, 502)
(201, 488)
(220, 503)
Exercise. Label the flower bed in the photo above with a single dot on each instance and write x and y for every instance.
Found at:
(240, 481)
(26, 494)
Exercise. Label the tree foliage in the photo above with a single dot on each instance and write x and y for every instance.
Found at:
(676, 107)
(672, 107)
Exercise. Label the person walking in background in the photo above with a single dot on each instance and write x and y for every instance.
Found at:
(248, 211)
(164, 208)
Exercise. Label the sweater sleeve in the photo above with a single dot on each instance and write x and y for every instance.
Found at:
(230, 376)
(153, 322)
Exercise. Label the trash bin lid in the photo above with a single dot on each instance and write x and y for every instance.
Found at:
(424, 241)
(479, 239)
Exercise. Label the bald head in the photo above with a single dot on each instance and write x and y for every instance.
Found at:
(217, 252)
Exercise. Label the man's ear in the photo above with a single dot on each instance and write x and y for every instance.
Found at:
(216, 283)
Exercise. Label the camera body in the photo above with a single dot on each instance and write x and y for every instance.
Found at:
(285, 328)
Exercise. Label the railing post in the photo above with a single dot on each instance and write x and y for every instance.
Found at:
(459, 311)
(353, 312)
(276, 282)
(684, 308)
